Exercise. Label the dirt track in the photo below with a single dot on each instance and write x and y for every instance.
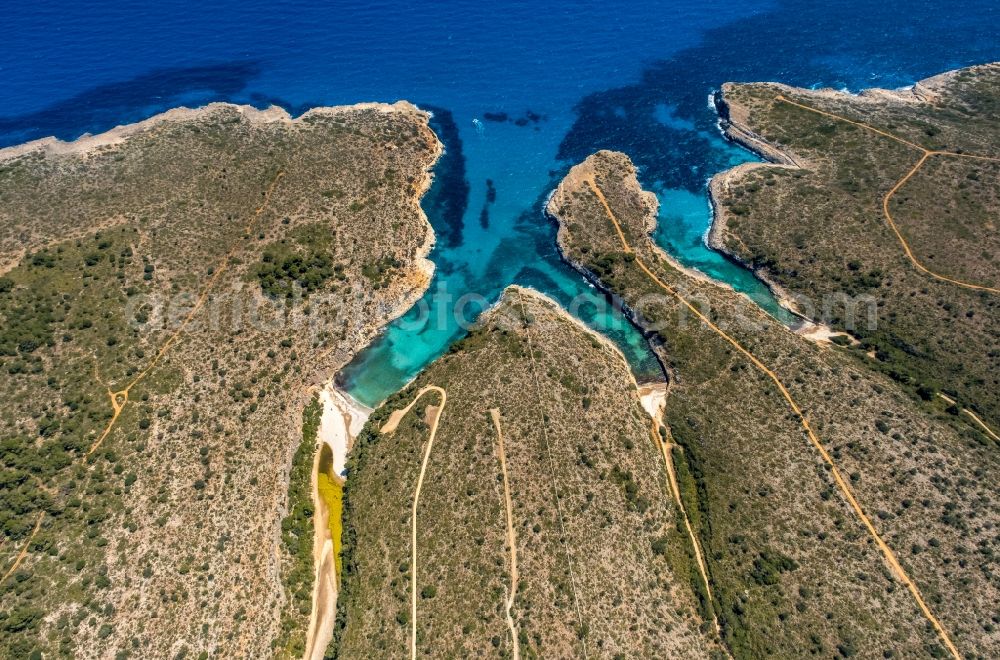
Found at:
(389, 427)
(925, 154)
(887, 553)
(511, 536)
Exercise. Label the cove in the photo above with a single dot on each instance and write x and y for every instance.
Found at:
(481, 258)
(546, 83)
(666, 123)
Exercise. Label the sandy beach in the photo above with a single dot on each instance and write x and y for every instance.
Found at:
(342, 421)
(653, 397)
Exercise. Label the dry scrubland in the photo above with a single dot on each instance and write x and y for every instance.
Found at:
(793, 570)
(821, 229)
(167, 540)
(604, 570)
(172, 519)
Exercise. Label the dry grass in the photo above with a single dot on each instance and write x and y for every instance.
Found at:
(179, 511)
(758, 492)
(589, 501)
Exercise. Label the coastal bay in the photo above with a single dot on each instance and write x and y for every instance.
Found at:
(233, 242)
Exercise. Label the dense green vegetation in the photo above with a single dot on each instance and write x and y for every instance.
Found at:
(378, 272)
(297, 536)
(302, 261)
(278, 275)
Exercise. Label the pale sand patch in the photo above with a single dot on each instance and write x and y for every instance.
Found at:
(821, 334)
(324, 601)
(430, 414)
(653, 397)
(342, 421)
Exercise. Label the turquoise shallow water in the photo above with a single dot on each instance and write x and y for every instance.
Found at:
(518, 246)
(546, 83)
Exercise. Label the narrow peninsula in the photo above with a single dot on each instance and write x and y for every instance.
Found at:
(831, 503)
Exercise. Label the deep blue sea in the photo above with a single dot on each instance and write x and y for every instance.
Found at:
(546, 83)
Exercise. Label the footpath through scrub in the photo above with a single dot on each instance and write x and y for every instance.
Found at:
(389, 427)
(925, 154)
(511, 536)
(120, 398)
(888, 554)
(552, 472)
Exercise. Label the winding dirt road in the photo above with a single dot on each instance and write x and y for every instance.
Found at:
(511, 537)
(389, 427)
(24, 549)
(887, 553)
(665, 449)
(973, 416)
(120, 398)
(925, 154)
